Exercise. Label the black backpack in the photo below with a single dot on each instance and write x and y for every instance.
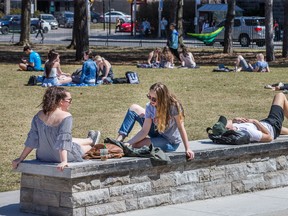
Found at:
(231, 137)
(32, 81)
(132, 77)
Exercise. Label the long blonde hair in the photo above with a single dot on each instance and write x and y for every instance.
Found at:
(165, 102)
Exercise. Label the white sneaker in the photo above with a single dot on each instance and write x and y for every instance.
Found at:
(95, 136)
(280, 84)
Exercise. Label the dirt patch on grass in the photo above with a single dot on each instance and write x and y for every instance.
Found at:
(132, 56)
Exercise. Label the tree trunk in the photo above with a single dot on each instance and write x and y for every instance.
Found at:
(180, 21)
(25, 23)
(269, 30)
(228, 36)
(285, 30)
(80, 29)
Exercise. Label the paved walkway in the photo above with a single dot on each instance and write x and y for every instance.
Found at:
(272, 202)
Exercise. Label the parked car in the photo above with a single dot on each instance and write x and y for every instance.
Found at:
(50, 19)
(126, 27)
(65, 19)
(114, 14)
(246, 30)
(95, 17)
(12, 23)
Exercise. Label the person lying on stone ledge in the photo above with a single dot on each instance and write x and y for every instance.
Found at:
(264, 130)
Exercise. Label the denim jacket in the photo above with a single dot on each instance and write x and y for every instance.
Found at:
(89, 72)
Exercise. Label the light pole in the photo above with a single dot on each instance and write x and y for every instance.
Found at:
(160, 8)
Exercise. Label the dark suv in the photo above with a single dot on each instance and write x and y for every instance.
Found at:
(246, 30)
(65, 18)
(12, 23)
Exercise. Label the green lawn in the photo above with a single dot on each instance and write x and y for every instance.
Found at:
(204, 94)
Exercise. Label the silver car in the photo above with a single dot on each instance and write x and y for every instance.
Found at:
(246, 30)
(50, 19)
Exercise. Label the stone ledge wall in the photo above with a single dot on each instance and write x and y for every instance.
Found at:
(118, 190)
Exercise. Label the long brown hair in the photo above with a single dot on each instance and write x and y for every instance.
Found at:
(165, 102)
(52, 56)
(52, 98)
(166, 54)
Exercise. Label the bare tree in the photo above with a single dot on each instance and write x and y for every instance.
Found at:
(80, 37)
(285, 30)
(228, 40)
(25, 22)
(269, 30)
(180, 21)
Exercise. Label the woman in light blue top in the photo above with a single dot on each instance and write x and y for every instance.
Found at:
(162, 122)
(51, 130)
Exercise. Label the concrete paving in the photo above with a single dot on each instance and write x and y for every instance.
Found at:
(272, 202)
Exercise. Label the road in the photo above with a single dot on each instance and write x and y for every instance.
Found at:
(101, 37)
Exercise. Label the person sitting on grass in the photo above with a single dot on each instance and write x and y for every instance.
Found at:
(105, 70)
(89, 70)
(53, 75)
(166, 58)
(260, 66)
(187, 59)
(162, 121)
(51, 132)
(33, 63)
(265, 130)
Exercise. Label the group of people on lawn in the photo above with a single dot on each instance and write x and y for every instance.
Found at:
(161, 121)
(95, 69)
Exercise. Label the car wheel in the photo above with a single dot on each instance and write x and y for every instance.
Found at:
(94, 20)
(244, 40)
(209, 44)
(122, 20)
(33, 29)
(5, 30)
(45, 30)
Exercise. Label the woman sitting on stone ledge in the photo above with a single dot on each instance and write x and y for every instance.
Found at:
(162, 121)
(51, 129)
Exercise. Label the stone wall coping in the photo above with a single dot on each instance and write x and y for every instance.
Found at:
(204, 150)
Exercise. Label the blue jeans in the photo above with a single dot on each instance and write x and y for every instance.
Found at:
(156, 139)
(129, 121)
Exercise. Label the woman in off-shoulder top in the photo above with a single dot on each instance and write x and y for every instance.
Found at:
(51, 130)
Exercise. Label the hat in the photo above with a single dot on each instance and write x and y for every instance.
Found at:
(220, 126)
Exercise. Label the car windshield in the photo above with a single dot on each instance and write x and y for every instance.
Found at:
(69, 15)
(7, 18)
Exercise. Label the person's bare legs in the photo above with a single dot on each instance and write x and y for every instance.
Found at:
(23, 66)
(139, 111)
(281, 100)
(237, 63)
(64, 80)
(85, 144)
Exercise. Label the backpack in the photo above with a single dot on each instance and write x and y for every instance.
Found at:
(32, 81)
(76, 75)
(132, 77)
(231, 137)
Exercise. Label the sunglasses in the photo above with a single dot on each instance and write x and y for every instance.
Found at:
(69, 100)
(153, 99)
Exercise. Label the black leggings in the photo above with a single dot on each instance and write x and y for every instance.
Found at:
(175, 52)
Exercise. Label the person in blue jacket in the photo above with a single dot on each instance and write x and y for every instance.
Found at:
(89, 69)
(173, 40)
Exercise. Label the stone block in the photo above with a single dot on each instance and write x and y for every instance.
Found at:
(66, 211)
(46, 197)
(276, 179)
(236, 172)
(253, 182)
(166, 180)
(131, 204)
(152, 201)
(88, 198)
(214, 189)
(186, 193)
(116, 181)
(204, 175)
(262, 166)
(218, 173)
(106, 209)
(144, 187)
(26, 194)
(237, 187)
(186, 177)
(282, 163)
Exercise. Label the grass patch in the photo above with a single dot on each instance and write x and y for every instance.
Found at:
(204, 95)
